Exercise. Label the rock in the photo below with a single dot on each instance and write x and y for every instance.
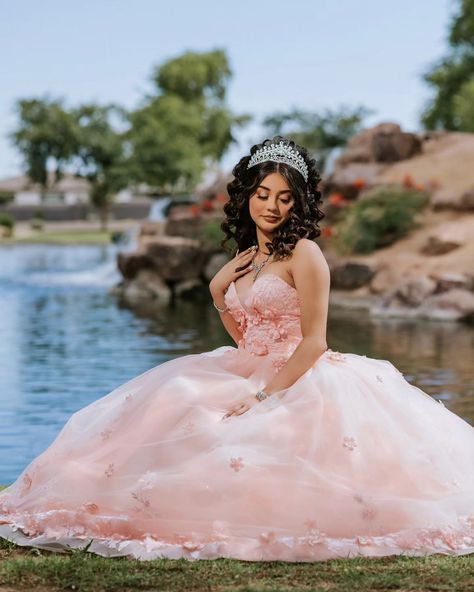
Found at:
(146, 285)
(189, 289)
(467, 200)
(382, 143)
(176, 258)
(412, 293)
(436, 246)
(214, 264)
(345, 179)
(359, 146)
(445, 238)
(148, 228)
(129, 264)
(448, 281)
(189, 226)
(449, 199)
(453, 305)
(382, 281)
(392, 146)
(350, 275)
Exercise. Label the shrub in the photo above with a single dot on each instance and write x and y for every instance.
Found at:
(7, 222)
(212, 233)
(379, 219)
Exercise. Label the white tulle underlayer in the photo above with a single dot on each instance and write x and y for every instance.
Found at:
(266, 544)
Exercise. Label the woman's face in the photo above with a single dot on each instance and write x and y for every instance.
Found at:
(270, 204)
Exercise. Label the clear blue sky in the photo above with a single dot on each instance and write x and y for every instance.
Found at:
(312, 54)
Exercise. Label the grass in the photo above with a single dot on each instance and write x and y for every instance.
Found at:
(65, 238)
(34, 569)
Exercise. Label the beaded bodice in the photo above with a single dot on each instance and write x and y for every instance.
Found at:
(268, 316)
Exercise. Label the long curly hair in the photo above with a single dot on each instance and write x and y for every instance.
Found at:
(304, 214)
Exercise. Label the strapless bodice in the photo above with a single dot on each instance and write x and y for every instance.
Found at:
(268, 317)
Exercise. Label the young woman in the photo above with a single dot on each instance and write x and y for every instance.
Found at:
(277, 449)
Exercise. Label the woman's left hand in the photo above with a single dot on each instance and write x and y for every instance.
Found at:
(243, 406)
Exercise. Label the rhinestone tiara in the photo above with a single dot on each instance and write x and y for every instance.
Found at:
(280, 152)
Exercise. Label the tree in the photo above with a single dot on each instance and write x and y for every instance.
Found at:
(185, 125)
(318, 132)
(452, 77)
(45, 137)
(101, 154)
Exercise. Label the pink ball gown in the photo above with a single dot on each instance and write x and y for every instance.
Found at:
(350, 460)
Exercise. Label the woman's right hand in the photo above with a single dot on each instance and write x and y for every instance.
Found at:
(233, 269)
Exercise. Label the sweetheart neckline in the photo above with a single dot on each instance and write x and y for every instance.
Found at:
(253, 284)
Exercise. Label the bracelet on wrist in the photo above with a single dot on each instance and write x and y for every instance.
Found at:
(220, 309)
(261, 395)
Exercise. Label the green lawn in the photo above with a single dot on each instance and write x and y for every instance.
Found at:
(34, 569)
(63, 238)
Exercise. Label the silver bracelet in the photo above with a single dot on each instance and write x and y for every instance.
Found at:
(220, 309)
(261, 395)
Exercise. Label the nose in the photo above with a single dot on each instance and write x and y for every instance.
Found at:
(272, 204)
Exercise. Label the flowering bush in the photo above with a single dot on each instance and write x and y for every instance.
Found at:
(379, 220)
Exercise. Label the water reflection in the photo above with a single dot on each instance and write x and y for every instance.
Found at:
(66, 342)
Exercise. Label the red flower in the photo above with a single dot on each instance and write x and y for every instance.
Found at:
(195, 210)
(326, 232)
(359, 183)
(207, 205)
(337, 199)
(408, 181)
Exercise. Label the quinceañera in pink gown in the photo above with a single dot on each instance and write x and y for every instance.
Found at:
(350, 460)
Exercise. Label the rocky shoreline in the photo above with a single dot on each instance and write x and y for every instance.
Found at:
(427, 274)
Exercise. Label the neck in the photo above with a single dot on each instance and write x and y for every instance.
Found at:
(262, 238)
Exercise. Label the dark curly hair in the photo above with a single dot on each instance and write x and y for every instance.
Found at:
(304, 215)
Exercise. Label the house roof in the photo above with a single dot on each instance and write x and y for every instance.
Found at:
(23, 183)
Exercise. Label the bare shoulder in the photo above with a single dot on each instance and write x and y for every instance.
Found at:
(307, 253)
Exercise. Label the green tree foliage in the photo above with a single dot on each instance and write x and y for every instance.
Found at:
(101, 153)
(319, 132)
(45, 137)
(452, 77)
(185, 125)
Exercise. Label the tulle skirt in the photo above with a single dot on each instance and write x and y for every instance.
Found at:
(350, 460)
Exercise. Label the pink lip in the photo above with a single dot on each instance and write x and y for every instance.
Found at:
(271, 219)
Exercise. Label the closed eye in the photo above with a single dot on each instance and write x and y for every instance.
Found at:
(284, 201)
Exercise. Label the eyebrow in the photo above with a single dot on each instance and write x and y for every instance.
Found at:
(268, 189)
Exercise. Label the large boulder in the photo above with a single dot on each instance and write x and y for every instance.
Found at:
(130, 264)
(383, 143)
(176, 258)
(392, 146)
(350, 275)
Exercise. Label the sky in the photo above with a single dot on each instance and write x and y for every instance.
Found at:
(313, 55)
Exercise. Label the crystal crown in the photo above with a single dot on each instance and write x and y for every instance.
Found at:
(280, 152)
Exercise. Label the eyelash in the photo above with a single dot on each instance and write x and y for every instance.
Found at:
(287, 201)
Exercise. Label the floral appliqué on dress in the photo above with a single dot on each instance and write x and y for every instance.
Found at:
(236, 463)
(349, 442)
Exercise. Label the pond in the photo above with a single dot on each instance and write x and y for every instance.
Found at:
(67, 341)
